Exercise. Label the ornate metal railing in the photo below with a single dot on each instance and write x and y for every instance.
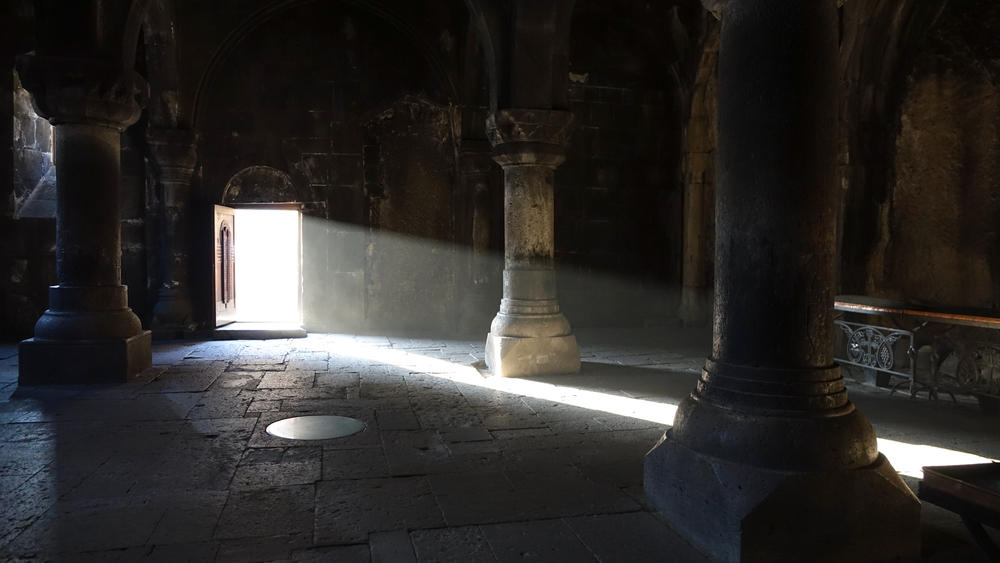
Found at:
(978, 369)
(959, 349)
(879, 348)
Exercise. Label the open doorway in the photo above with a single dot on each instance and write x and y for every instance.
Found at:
(258, 265)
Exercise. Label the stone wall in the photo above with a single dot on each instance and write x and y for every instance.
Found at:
(367, 137)
(918, 158)
(616, 263)
(879, 40)
(943, 217)
(31, 146)
(412, 275)
(619, 194)
(27, 257)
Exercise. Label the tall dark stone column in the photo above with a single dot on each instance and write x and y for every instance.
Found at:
(530, 335)
(173, 154)
(88, 334)
(768, 460)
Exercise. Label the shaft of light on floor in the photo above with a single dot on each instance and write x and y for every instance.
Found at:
(907, 459)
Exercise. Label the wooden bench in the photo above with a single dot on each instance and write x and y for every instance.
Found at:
(894, 350)
(972, 492)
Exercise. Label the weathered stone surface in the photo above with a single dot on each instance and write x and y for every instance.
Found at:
(46, 361)
(771, 372)
(455, 545)
(541, 540)
(288, 466)
(529, 335)
(560, 485)
(520, 356)
(951, 193)
(267, 512)
(749, 519)
(391, 547)
(347, 511)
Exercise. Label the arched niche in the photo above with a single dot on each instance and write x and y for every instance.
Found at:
(260, 184)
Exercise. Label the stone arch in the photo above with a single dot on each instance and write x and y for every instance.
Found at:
(261, 184)
(485, 24)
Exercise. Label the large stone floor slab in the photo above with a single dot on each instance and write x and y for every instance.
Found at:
(453, 466)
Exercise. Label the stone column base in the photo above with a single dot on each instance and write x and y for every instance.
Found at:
(738, 512)
(172, 314)
(46, 362)
(512, 356)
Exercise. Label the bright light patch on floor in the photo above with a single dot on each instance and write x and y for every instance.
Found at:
(652, 411)
(268, 279)
(907, 459)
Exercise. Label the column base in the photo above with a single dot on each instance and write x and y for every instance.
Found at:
(514, 356)
(47, 362)
(737, 512)
(172, 314)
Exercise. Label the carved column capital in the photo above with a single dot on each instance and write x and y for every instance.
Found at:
(82, 90)
(529, 136)
(173, 152)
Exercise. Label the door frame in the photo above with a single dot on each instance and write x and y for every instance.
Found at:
(287, 206)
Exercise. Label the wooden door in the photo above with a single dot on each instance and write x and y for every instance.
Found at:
(225, 265)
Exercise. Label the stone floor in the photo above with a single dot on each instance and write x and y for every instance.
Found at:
(451, 467)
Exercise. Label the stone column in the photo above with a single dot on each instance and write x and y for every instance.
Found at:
(88, 334)
(172, 152)
(529, 335)
(768, 460)
(475, 169)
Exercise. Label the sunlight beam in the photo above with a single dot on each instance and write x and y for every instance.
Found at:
(907, 459)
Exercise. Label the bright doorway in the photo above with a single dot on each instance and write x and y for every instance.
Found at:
(258, 265)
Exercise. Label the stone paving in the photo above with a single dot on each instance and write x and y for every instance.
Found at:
(452, 466)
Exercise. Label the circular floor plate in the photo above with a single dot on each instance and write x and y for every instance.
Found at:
(315, 427)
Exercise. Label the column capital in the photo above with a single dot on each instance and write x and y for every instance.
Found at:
(529, 136)
(173, 152)
(83, 90)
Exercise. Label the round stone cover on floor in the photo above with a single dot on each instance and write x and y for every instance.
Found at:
(317, 427)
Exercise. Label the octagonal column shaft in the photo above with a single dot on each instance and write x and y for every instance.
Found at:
(173, 153)
(768, 460)
(88, 333)
(530, 336)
